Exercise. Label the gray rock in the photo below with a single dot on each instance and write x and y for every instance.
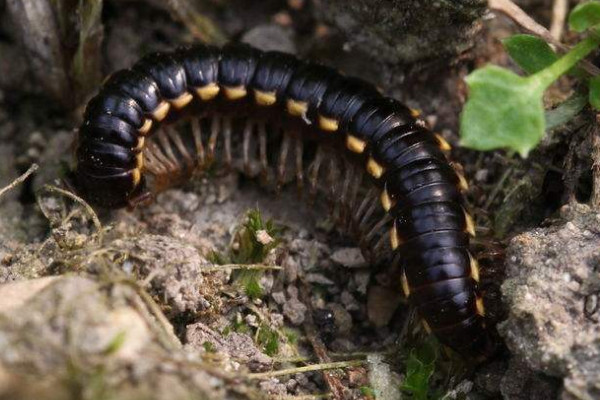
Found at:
(401, 31)
(271, 37)
(173, 269)
(68, 332)
(295, 311)
(240, 347)
(350, 257)
(381, 304)
(551, 272)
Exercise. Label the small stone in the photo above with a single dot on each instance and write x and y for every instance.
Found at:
(342, 318)
(349, 301)
(482, 175)
(295, 311)
(319, 278)
(290, 268)
(278, 297)
(362, 281)
(350, 257)
(382, 303)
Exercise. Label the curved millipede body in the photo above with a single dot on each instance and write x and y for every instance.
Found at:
(241, 98)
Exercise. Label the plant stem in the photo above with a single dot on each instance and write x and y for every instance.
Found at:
(545, 77)
(308, 368)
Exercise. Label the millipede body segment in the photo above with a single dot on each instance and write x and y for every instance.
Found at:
(119, 147)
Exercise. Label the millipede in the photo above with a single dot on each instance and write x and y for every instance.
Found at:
(290, 119)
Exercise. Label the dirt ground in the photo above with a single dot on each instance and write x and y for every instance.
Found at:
(223, 288)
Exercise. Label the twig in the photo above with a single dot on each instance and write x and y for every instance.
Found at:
(20, 179)
(307, 368)
(595, 200)
(515, 13)
(559, 14)
(333, 381)
(497, 188)
(211, 268)
(86, 206)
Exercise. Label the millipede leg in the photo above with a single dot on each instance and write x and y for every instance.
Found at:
(167, 148)
(281, 164)
(227, 129)
(378, 227)
(214, 135)
(197, 135)
(313, 172)
(176, 139)
(161, 157)
(247, 136)
(299, 153)
(262, 141)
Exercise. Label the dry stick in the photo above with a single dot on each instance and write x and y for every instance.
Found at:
(595, 200)
(559, 14)
(77, 199)
(308, 368)
(515, 13)
(260, 267)
(497, 188)
(334, 382)
(20, 179)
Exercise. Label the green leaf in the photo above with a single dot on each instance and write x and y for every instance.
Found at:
(504, 110)
(529, 52)
(115, 344)
(595, 92)
(419, 369)
(584, 16)
(566, 111)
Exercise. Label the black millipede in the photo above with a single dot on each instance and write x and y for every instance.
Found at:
(237, 94)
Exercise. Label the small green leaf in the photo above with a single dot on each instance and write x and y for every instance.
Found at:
(584, 16)
(529, 52)
(420, 366)
(595, 92)
(504, 110)
(115, 344)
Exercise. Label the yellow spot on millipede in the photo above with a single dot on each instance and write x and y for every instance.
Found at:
(265, 98)
(182, 100)
(374, 168)
(414, 112)
(474, 268)
(328, 124)
(394, 237)
(140, 144)
(208, 92)
(297, 108)
(479, 306)
(355, 144)
(444, 145)
(145, 127)
(462, 182)
(386, 201)
(469, 224)
(235, 93)
(426, 326)
(161, 111)
(136, 177)
(139, 161)
(405, 287)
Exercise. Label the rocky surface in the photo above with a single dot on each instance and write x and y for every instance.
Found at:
(551, 291)
(401, 31)
(82, 338)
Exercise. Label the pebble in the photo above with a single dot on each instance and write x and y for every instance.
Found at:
(350, 257)
(295, 311)
(381, 304)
